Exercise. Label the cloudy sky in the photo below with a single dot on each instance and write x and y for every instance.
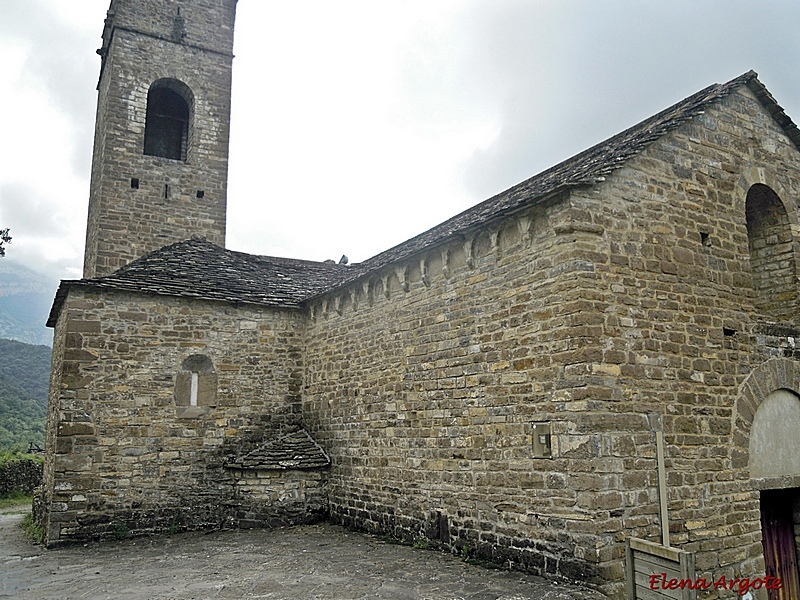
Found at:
(358, 124)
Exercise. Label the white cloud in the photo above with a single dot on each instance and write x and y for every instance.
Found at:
(357, 124)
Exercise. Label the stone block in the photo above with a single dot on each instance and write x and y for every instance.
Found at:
(68, 429)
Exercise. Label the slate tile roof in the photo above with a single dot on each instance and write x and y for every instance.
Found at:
(585, 169)
(296, 450)
(199, 269)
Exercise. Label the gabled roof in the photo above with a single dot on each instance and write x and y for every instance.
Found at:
(585, 169)
(296, 450)
(199, 269)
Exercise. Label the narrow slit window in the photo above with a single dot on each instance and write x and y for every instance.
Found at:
(193, 388)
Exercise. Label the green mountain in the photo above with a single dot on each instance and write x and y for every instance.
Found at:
(25, 300)
(24, 381)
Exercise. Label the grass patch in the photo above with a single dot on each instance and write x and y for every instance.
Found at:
(16, 500)
(32, 530)
(120, 530)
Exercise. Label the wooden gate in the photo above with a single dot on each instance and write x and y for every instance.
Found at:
(656, 572)
(780, 551)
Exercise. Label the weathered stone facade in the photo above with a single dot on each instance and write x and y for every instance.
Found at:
(126, 452)
(621, 308)
(494, 386)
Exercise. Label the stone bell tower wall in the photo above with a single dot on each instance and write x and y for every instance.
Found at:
(143, 199)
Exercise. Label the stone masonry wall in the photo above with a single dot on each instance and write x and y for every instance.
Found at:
(681, 325)
(630, 309)
(123, 455)
(424, 382)
(20, 476)
(158, 18)
(282, 497)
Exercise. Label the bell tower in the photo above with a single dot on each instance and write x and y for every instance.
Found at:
(160, 165)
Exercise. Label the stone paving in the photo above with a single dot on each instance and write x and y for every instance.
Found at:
(320, 562)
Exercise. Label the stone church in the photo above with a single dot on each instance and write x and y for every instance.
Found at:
(605, 351)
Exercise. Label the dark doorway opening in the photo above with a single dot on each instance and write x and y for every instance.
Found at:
(778, 539)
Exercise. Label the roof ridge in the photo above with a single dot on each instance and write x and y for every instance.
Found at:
(585, 168)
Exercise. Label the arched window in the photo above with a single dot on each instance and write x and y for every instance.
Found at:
(166, 130)
(196, 383)
(771, 247)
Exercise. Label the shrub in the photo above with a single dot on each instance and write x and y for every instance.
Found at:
(19, 473)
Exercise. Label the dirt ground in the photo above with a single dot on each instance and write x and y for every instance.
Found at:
(309, 562)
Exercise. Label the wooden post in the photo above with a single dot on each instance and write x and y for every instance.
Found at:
(662, 488)
(630, 572)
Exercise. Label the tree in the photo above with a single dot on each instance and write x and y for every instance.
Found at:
(4, 239)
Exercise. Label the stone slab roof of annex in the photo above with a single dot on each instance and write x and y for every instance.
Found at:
(198, 269)
(294, 450)
(201, 270)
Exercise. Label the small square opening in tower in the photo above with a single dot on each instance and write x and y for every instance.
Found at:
(134, 183)
(200, 193)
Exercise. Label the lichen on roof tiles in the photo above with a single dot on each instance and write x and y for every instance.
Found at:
(201, 270)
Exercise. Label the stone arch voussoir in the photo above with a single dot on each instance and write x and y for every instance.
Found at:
(774, 374)
(760, 175)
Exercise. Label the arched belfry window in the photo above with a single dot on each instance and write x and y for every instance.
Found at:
(772, 260)
(169, 116)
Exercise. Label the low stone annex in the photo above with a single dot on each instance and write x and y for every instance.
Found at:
(605, 352)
